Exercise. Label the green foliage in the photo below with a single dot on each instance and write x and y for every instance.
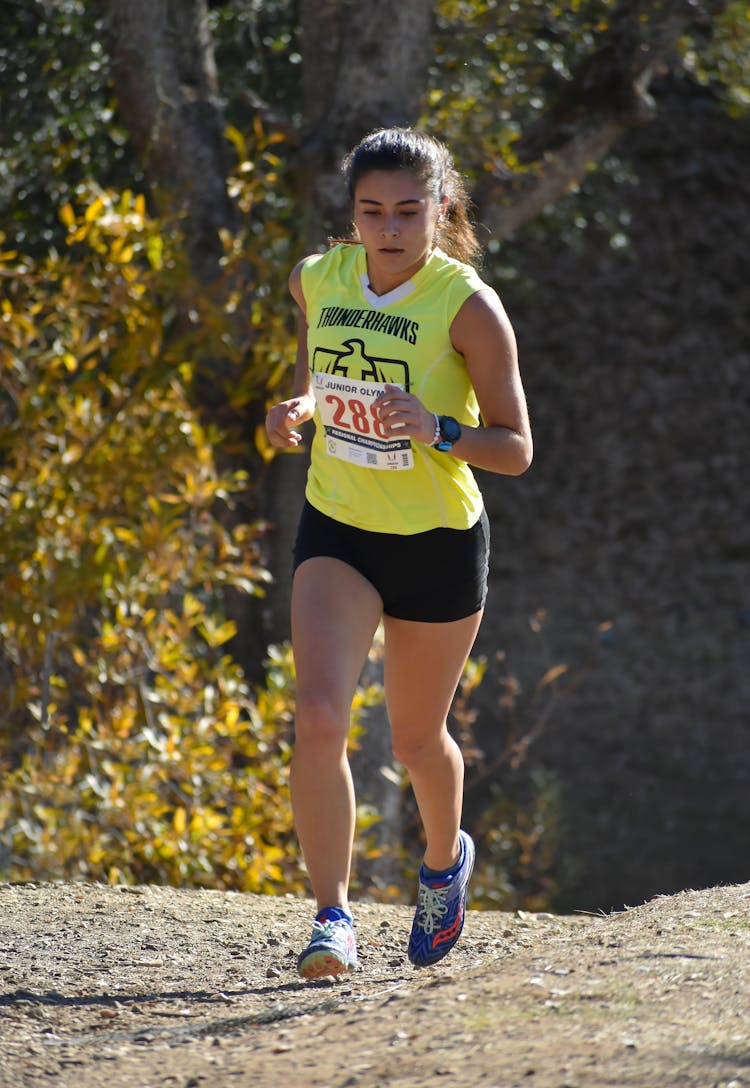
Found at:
(496, 65)
(723, 62)
(59, 124)
(257, 56)
(58, 120)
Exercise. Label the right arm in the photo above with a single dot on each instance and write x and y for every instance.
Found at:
(282, 418)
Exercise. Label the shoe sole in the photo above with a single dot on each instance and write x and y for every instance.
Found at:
(323, 964)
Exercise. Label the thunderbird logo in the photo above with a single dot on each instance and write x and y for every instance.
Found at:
(355, 363)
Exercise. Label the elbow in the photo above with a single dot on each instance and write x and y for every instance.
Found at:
(520, 468)
(523, 456)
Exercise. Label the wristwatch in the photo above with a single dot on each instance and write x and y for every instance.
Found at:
(450, 432)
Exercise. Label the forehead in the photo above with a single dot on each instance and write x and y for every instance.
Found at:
(391, 187)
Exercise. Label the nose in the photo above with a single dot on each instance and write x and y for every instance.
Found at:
(390, 226)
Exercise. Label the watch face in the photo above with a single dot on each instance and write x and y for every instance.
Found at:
(450, 432)
(450, 429)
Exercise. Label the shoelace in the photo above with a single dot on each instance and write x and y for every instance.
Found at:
(432, 907)
(327, 928)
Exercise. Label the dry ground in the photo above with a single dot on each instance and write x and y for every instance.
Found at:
(159, 988)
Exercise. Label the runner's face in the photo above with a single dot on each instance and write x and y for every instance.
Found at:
(396, 218)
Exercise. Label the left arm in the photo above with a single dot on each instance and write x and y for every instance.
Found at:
(482, 333)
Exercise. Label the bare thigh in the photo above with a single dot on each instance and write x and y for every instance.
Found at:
(335, 612)
(423, 665)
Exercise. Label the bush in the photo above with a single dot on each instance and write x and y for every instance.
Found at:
(130, 743)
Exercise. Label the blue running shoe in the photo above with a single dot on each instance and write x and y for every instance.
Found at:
(441, 906)
(332, 949)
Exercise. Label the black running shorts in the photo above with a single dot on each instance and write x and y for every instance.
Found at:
(433, 577)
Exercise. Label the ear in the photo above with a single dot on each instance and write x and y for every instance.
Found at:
(443, 210)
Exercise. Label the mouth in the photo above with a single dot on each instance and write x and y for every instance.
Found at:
(390, 250)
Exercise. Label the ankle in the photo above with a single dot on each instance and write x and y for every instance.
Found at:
(432, 861)
(334, 914)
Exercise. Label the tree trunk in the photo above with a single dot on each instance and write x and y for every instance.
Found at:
(167, 94)
(364, 66)
(166, 88)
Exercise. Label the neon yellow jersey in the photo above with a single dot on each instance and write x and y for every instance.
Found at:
(357, 337)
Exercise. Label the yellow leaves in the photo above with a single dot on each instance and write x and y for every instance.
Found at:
(155, 251)
(92, 211)
(125, 535)
(117, 231)
(216, 634)
(169, 656)
(231, 717)
(80, 659)
(110, 636)
(192, 607)
(262, 445)
(234, 135)
(167, 803)
(205, 822)
(72, 453)
(121, 251)
(172, 768)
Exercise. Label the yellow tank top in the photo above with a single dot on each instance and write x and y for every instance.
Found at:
(356, 337)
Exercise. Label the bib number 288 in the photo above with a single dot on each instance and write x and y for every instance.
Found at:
(353, 429)
(354, 415)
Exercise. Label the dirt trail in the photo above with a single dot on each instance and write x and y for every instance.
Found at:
(159, 988)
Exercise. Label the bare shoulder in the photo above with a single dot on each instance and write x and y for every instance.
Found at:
(482, 331)
(295, 282)
(482, 319)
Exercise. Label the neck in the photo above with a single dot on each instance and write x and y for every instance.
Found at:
(381, 283)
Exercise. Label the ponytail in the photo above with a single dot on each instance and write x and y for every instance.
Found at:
(457, 236)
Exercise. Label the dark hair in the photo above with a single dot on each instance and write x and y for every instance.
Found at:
(432, 162)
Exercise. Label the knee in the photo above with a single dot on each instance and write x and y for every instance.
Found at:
(319, 725)
(423, 748)
(411, 753)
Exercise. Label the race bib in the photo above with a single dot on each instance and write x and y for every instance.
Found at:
(353, 431)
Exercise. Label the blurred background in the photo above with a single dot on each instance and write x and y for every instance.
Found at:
(163, 165)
